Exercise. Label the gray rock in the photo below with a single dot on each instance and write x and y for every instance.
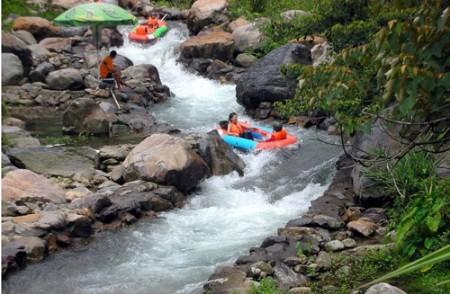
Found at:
(51, 220)
(18, 137)
(264, 82)
(25, 36)
(12, 69)
(204, 13)
(334, 245)
(292, 14)
(35, 248)
(38, 52)
(349, 243)
(55, 161)
(319, 220)
(245, 60)
(84, 115)
(225, 278)
(117, 152)
(247, 37)
(323, 260)
(300, 290)
(65, 79)
(142, 72)
(12, 44)
(79, 225)
(287, 278)
(41, 71)
(384, 288)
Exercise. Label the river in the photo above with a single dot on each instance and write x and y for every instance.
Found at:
(226, 216)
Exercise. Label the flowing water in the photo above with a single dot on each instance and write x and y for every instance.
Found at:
(178, 251)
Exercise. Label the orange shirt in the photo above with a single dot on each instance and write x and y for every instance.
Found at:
(153, 22)
(235, 129)
(278, 136)
(106, 67)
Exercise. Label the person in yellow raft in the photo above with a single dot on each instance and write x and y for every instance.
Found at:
(109, 71)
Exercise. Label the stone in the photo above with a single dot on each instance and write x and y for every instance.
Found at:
(264, 81)
(35, 248)
(364, 249)
(79, 225)
(160, 204)
(41, 71)
(292, 261)
(215, 45)
(263, 267)
(38, 26)
(218, 155)
(292, 14)
(142, 72)
(206, 12)
(22, 184)
(245, 60)
(14, 45)
(352, 213)
(349, 243)
(56, 160)
(237, 23)
(323, 260)
(319, 220)
(300, 290)
(39, 52)
(334, 245)
(12, 69)
(15, 122)
(25, 36)
(65, 79)
(57, 44)
(18, 137)
(167, 160)
(78, 192)
(343, 272)
(84, 115)
(247, 37)
(287, 278)
(363, 227)
(269, 241)
(51, 220)
(384, 288)
(227, 279)
(66, 4)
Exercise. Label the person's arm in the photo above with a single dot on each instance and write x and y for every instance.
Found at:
(271, 139)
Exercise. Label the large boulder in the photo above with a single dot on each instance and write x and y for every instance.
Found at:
(12, 69)
(18, 137)
(217, 44)
(142, 72)
(84, 115)
(25, 184)
(38, 52)
(12, 44)
(247, 37)
(219, 156)
(206, 12)
(65, 79)
(227, 279)
(38, 26)
(56, 44)
(165, 159)
(41, 71)
(293, 14)
(55, 161)
(264, 82)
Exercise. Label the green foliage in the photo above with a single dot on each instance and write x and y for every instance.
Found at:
(421, 213)
(182, 4)
(266, 286)
(353, 34)
(257, 8)
(426, 262)
(342, 88)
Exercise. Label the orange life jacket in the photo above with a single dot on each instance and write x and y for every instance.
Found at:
(153, 22)
(141, 30)
(278, 136)
(106, 67)
(235, 129)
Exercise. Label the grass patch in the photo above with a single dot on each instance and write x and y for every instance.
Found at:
(266, 286)
(251, 9)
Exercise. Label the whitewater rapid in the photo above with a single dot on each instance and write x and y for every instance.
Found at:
(178, 251)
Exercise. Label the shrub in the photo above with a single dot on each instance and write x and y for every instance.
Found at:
(353, 34)
(266, 286)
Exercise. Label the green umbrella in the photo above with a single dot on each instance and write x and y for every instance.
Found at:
(96, 15)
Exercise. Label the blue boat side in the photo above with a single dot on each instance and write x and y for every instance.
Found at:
(240, 143)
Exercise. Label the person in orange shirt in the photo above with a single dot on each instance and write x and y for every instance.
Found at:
(153, 23)
(237, 129)
(109, 71)
(278, 133)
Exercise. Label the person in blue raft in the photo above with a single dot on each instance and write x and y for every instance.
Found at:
(235, 128)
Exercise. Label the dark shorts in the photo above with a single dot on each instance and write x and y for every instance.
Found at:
(247, 135)
(109, 76)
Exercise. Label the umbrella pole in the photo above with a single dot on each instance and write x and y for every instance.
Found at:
(96, 37)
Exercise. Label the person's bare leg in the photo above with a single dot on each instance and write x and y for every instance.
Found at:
(118, 78)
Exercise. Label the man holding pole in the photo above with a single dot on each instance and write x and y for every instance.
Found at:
(109, 71)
